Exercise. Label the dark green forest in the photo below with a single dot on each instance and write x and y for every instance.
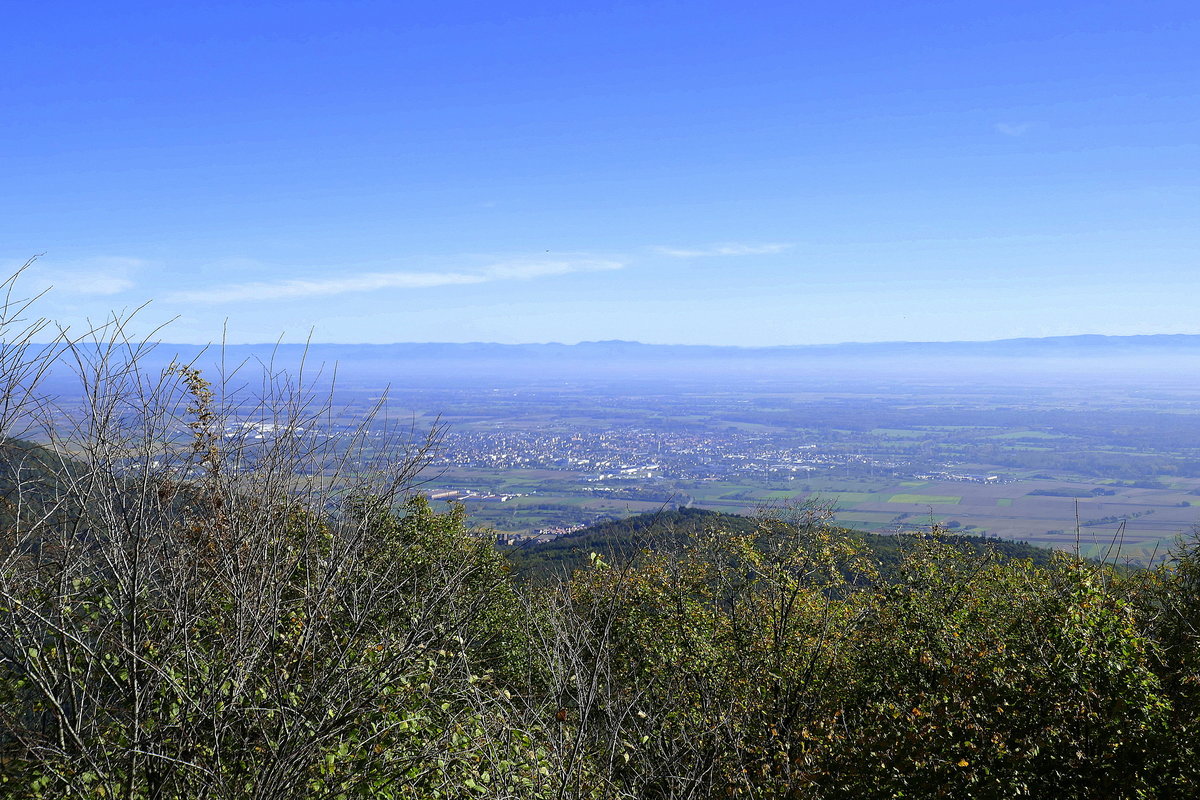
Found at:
(671, 529)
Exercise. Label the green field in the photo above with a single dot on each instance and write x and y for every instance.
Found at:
(1028, 435)
(843, 499)
(926, 499)
(899, 433)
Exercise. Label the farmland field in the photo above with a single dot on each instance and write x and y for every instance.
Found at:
(1143, 520)
(927, 499)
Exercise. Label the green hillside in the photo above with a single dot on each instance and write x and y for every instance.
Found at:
(36, 485)
(618, 540)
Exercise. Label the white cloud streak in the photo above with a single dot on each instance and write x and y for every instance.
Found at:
(723, 250)
(1014, 128)
(298, 288)
(93, 276)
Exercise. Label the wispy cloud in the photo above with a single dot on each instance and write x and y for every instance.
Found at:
(1014, 128)
(733, 249)
(297, 288)
(106, 275)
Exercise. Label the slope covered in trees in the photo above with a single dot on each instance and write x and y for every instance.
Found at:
(672, 528)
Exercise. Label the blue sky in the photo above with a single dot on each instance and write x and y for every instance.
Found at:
(783, 173)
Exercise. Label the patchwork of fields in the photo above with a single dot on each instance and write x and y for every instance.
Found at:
(1137, 522)
(1061, 463)
(1140, 520)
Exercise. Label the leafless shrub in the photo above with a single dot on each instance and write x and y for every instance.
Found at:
(204, 593)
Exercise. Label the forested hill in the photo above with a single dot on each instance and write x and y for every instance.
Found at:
(619, 539)
(33, 477)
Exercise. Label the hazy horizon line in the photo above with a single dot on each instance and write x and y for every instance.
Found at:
(617, 341)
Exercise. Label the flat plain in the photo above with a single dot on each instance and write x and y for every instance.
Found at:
(1094, 465)
(1096, 452)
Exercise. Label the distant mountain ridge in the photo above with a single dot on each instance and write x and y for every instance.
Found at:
(1119, 360)
(1051, 346)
